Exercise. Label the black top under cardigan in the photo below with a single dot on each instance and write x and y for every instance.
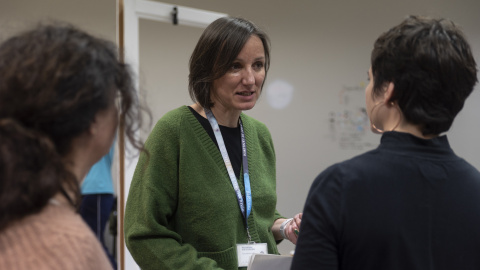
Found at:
(231, 137)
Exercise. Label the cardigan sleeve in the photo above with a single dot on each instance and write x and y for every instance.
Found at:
(152, 203)
(268, 147)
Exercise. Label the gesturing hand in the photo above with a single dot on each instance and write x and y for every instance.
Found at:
(292, 229)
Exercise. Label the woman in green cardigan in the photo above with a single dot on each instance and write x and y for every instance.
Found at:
(205, 198)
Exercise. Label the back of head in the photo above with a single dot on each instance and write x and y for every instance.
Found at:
(54, 79)
(432, 68)
(217, 48)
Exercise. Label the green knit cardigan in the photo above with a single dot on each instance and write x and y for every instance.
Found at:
(182, 212)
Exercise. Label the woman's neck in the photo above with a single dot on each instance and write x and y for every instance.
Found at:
(227, 118)
(394, 120)
(80, 158)
(414, 130)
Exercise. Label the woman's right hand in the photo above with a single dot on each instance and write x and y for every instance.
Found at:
(293, 228)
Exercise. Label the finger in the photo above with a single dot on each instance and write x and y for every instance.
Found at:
(292, 232)
(291, 236)
(297, 221)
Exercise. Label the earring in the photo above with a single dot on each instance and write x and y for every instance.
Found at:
(372, 125)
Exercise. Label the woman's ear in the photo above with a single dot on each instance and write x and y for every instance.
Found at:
(94, 128)
(388, 92)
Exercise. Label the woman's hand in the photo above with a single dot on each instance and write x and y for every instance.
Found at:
(292, 229)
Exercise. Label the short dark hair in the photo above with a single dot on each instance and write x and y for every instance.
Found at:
(432, 68)
(217, 48)
(54, 79)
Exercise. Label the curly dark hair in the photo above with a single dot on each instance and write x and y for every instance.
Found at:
(432, 68)
(217, 48)
(54, 79)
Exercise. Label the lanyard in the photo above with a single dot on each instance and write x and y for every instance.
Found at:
(228, 165)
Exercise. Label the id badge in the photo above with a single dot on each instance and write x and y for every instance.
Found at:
(245, 251)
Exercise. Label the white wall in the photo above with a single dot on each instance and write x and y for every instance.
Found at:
(96, 16)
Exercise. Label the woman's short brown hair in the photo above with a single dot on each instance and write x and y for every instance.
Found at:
(432, 67)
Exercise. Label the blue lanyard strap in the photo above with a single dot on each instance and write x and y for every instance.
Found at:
(228, 165)
(246, 176)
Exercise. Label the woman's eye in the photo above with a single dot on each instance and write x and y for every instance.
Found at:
(236, 66)
(258, 65)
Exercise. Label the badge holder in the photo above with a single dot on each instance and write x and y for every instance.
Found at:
(245, 251)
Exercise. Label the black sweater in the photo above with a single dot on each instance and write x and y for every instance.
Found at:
(409, 204)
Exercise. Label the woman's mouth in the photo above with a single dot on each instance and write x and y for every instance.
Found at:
(247, 93)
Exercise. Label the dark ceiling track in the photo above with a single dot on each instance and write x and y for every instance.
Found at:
(175, 16)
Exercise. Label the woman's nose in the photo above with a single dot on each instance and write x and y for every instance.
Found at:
(248, 77)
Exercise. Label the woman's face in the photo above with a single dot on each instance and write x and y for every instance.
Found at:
(369, 103)
(240, 87)
(106, 122)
